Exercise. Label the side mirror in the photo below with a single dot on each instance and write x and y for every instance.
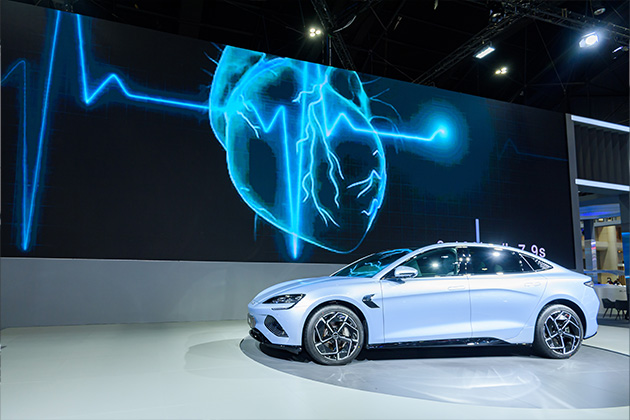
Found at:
(404, 272)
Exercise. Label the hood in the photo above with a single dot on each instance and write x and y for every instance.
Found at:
(302, 286)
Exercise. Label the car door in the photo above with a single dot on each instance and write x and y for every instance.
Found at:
(434, 305)
(504, 291)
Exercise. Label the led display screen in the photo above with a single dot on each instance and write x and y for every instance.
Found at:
(119, 142)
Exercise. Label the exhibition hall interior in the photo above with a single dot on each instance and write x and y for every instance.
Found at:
(315, 209)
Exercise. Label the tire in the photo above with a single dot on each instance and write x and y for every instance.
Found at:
(559, 332)
(334, 335)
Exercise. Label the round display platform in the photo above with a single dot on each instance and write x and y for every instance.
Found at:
(491, 376)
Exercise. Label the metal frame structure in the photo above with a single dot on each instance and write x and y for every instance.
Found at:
(515, 11)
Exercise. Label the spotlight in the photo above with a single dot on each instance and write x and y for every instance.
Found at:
(484, 51)
(497, 12)
(598, 8)
(502, 70)
(313, 32)
(589, 40)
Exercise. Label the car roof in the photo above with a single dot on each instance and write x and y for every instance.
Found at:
(484, 245)
(463, 245)
(473, 244)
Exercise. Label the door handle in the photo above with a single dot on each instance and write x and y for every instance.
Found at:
(532, 284)
(456, 287)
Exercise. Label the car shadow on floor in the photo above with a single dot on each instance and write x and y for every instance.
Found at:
(446, 352)
(415, 353)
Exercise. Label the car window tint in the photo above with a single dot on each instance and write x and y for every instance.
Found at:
(494, 261)
(436, 263)
(526, 265)
(372, 264)
(536, 264)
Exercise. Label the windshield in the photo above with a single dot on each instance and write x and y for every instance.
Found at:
(372, 264)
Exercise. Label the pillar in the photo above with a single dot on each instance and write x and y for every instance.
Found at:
(590, 251)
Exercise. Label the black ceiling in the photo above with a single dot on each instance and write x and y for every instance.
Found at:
(406, 39)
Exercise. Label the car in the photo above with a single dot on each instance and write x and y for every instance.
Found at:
(451, 294)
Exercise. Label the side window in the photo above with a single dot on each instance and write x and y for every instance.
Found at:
(494, 261)
(436, 263)
(535, 263)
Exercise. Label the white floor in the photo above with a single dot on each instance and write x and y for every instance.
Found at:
(197, 371)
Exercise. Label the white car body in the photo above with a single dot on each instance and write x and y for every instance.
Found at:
(463, 307)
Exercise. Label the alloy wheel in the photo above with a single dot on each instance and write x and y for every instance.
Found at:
(336, 336)
(563, 332)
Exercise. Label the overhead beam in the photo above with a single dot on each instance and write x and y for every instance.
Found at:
(338, 44)
(562, 17)
(515, 11)
(466, 50)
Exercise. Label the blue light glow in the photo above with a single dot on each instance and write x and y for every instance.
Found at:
(30, 182)
(509, 143)
(313, 123)
(312, 120)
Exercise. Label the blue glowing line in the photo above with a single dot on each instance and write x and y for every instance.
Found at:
(22, 64)
(369, 181)
(113, 79)
(279, 115)
(313, 129)
(30, 196)
(40, 143)
(392, 134)
(298, 146)
(316, 126)
(316, 129)
(509, 142)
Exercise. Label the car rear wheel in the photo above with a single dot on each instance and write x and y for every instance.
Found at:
(334, 335)
(559, 332)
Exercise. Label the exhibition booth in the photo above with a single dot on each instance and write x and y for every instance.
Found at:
(153, 185)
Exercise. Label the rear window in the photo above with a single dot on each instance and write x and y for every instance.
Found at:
(484, 260)
(536, 264)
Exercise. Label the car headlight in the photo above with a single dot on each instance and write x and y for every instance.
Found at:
(290, 300)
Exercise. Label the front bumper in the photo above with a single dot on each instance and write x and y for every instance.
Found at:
(258, 336)
(281, 327)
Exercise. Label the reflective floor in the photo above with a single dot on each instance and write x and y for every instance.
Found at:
(198, 370)
(493, 376)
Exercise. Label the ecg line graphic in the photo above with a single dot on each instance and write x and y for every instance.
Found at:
(510, 143)
(91, 91)
(311, 128)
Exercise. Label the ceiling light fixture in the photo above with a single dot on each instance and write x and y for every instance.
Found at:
(598, 7)
(589, 40)
(313, 32)
(484, 51)
(502, 70)
(497, 12)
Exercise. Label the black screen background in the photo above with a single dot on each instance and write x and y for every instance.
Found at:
(125, 181)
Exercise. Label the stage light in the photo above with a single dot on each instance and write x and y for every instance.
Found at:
(484, 51)
(313, 32)
(589, 40)
(497, 12)
(598, 8)
(502, 70)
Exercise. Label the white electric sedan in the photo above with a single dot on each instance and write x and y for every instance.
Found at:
(446, 294)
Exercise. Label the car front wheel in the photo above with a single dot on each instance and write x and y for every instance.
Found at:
(334, 335)
(559, 332)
